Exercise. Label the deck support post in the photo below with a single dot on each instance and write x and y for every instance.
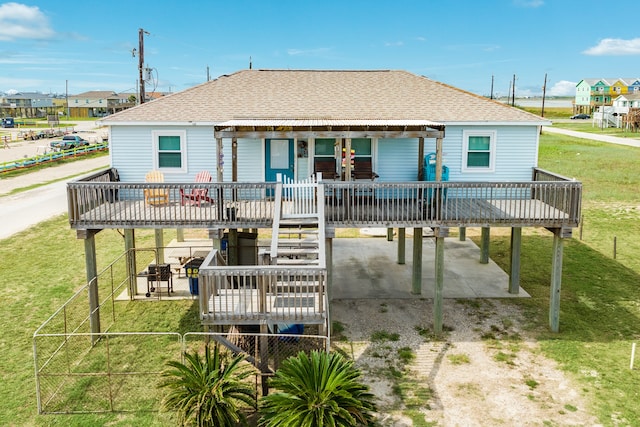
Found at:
(132, 268)
(401, 246)
(484, 245)
(180, 235)
(389, 234)
(556, 281)
(233, 251)
(416, 276)
(463, 234)
(159, 235)
(439, 282)
(328, 253)
(92, 280)
(514, 272)
(264, 358)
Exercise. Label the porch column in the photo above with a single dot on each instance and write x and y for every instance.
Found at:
(159, 235)
(514, 273)
(484, 245)
(132, 268)
(232, 247)
(416, 276)
(234, 159)
(439, 284)
(421, 159)
(92, 279)
(347, 159)
(401, 243)
(220, 177)
(556, 281)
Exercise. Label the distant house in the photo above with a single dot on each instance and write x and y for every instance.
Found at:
(592, 94)
(26, 104)
(99, 103)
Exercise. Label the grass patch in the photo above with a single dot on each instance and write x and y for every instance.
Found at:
(379, 336)
(459, 359)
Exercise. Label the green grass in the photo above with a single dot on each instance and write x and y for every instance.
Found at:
(589, 127)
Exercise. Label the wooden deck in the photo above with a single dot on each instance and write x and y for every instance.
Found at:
(549, 202)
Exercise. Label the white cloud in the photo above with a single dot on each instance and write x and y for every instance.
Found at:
(394, 44)
(615, 47)
(529, 3)
(308, 52)
(19, 21)
(562, 88)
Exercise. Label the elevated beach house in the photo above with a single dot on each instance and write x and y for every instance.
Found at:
(305, 152)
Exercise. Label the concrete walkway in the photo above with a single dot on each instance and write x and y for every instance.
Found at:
(594, 136)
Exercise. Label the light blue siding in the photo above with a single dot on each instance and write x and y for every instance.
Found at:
(250, 160)
(131, 152)
(397, 160)
(516, 153)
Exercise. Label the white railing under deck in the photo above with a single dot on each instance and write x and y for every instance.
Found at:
(232, 295)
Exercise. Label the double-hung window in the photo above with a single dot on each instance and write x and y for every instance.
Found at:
(170, 150)
(479, 151)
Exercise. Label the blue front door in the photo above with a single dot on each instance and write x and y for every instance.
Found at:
(279, 158)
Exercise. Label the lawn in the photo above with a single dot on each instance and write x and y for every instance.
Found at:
(600, 308)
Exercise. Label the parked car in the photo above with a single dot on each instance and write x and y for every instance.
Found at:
(580, 116)
(7, 122)
(69, 142)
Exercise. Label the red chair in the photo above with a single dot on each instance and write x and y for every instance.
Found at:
(197, 195)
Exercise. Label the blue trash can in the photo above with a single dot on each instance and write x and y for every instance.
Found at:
(429, 174)
(191, 270)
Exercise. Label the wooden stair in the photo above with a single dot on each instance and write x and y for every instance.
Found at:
(297, 235)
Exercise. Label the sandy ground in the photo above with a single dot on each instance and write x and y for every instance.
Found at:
(486, 371)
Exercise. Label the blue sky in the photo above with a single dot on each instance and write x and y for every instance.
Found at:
(48, 46)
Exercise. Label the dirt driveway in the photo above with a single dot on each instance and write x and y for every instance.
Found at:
(485, 372)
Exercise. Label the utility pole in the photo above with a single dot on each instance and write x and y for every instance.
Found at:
(208, 78)
(544, 91)
(492, 86)
(513, 88)
(141, 34)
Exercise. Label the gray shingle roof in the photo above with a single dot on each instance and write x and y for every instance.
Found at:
(325, 95)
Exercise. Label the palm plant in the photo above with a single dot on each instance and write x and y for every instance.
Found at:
(209, 390)
(317, 389)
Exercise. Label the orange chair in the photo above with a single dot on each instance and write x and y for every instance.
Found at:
(155, 196)
(197, 195)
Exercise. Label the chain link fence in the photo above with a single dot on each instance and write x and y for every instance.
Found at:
(78, 371)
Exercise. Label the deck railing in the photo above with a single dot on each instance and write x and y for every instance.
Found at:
(254, 294)
(549, 200)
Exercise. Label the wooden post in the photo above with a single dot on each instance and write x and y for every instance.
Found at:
(92, 280)
(439, 285)
(401, 243)
(463, 234)
(159, 236)
(556, 282)
(264, 358)
(328, 249)
(421, 159)
(514, 274)
(416, 276)
(180, 235)
(389, 234)
(234, 159)
(232, 247)
(132, 268)
(484, 245)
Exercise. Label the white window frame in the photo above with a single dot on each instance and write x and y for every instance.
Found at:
(156, 134)
(492, 134)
